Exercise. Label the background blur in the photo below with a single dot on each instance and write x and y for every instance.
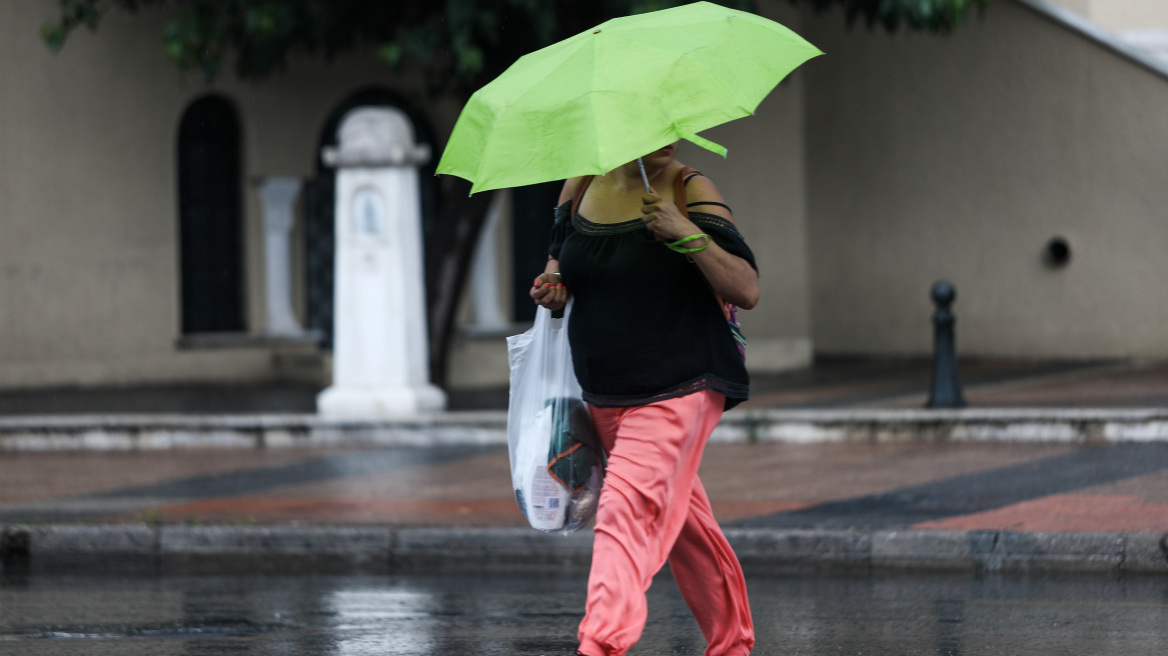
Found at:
(1023, 157)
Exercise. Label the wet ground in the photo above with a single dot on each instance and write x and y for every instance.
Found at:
(920, 485)
(507, 613)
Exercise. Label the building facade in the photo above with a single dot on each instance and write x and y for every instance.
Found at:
(133, 225)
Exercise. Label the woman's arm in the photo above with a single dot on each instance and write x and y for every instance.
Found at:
(548, 291)
(731, 276)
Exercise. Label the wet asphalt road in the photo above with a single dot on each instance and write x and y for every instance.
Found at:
(508, 613)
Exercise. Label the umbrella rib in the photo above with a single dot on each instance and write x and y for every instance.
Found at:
(719, 82)
(686, 56)
(592, 101)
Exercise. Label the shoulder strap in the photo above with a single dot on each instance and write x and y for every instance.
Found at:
(587, 180)
(679, 188)
(679, 184)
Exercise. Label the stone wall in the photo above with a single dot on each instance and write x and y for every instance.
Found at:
(959, 158)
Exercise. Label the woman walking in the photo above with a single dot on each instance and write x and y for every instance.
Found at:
(658, 362)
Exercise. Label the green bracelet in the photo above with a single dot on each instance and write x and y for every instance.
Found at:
(677, 245)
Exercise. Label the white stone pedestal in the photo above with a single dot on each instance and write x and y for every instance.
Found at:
(380, 345)
(278, 196)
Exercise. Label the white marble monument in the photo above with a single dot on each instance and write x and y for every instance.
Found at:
(380, 346)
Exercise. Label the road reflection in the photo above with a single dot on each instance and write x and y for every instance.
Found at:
(362, 616)
(535, 613)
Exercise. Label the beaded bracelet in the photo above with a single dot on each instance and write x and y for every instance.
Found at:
(677, 245)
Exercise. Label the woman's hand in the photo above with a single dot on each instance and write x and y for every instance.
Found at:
(664, 220)
(549, 292)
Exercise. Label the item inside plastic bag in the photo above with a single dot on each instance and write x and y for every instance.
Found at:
(558, 487)
(557, 464)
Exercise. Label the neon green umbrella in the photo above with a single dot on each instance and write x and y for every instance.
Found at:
(602, 98)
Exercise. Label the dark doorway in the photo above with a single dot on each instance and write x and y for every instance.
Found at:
(210, 217)
(320, 205)
(533, 212)
(319, 253)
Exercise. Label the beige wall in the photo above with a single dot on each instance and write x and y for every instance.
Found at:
(763, 179)
(88, 256)
(1122, 15)
(1081, 7)
(959, 158)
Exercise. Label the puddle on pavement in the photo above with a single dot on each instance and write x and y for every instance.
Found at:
(509, 613)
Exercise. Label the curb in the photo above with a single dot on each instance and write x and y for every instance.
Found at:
(160, 432)
(1052, 425)
(153, 548)
(986, 551)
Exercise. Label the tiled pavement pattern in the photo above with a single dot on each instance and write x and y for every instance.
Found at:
(868, 486)
(963, 486)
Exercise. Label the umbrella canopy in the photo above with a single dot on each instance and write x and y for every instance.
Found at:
(604, 97)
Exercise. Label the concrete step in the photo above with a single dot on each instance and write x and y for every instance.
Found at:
(151, 432)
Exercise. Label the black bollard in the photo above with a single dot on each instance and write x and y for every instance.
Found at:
(946, 388)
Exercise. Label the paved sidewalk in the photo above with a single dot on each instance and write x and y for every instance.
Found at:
(896, 486)
(910, 503)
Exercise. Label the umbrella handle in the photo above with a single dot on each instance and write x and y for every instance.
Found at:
(644, 178)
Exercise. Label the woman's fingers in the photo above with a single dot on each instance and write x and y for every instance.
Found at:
(548, 291)
(650, 207)
(552, 300)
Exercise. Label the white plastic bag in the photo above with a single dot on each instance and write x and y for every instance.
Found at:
(557, 466)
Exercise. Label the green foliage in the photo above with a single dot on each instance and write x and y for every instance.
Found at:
(461, 43)
(940, 16)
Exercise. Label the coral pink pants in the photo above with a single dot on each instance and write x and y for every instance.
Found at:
(653, 508)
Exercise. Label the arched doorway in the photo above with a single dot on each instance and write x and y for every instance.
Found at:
(210, 217)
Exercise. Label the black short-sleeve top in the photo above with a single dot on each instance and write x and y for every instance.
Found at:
(645, 325)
